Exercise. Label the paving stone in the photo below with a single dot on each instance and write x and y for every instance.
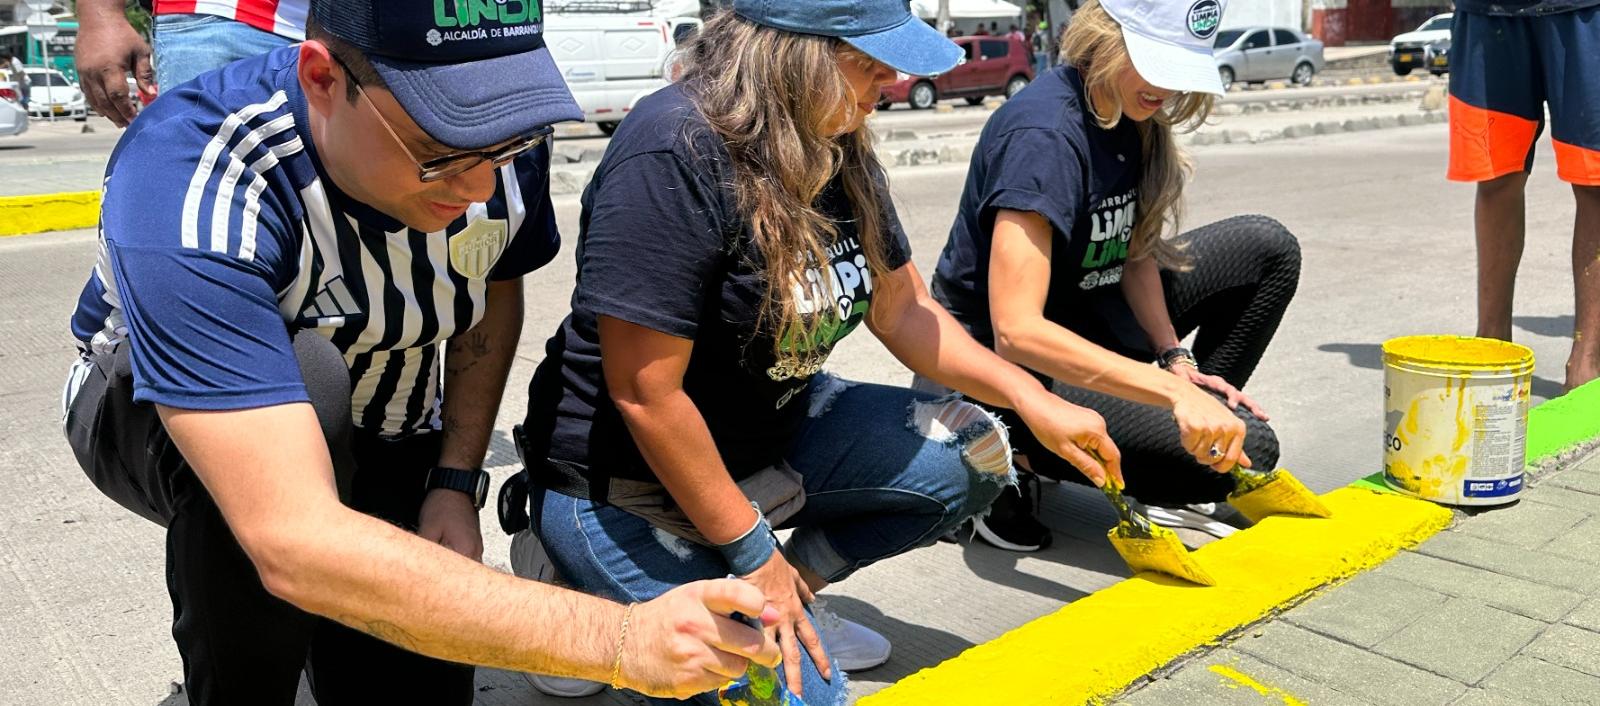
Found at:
(1574, 648)
(1536, 683)
(1546, 603)
(1481, 697)
(1546, 494)
(1465, 640)
(1525, 524)
(1512, 561)
(1581, 542)
(1367, 609)
(1581, 481)
(1298, 131)
(1216, 681)
(1587, 616)
(1347, 668)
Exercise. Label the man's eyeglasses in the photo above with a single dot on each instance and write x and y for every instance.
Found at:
(452, 164)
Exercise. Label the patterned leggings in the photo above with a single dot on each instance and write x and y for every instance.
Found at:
(1245, 272)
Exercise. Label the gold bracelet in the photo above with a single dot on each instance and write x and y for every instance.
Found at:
(622, 639)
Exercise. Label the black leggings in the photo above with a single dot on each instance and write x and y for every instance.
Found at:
(1245, 272)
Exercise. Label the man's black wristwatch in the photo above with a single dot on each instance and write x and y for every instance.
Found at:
(1177, 356)
(474, 483)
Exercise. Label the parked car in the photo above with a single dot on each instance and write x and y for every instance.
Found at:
(993, 66)
(1259, 54)
(1410, 50)
(611, 58)
(1437, 57)
(51, 92)
(13, 118)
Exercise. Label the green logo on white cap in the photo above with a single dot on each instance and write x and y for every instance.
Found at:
(1204, 16)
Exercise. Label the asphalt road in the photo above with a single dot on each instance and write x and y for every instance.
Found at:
(1388, 251)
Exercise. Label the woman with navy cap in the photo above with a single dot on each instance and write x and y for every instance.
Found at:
(737, 229)
(1060, 258)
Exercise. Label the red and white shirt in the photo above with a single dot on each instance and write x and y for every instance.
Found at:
(285, 18)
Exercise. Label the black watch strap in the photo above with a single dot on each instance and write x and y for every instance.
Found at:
(1177, 355)
(475, 483)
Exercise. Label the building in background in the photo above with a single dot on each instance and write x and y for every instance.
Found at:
(1338, 22)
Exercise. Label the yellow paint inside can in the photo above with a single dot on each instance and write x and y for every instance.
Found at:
(1456, 411)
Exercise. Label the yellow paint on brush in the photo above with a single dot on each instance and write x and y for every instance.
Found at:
(20, 215)
(1091, 649)
(1241, 679)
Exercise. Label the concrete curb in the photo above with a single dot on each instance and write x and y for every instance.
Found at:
(1097, 647)
(20, 215)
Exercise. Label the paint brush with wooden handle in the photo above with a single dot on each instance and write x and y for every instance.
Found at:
(1148, 547)
(1257, 495)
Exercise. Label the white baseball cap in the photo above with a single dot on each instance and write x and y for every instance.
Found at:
(1170, 41)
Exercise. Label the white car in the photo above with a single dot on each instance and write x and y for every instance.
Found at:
(1410, 50)
(50, 92)
(13, 119)
(612, 59)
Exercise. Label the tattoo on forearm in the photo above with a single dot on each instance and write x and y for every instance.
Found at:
(469, 349)
(478, 343)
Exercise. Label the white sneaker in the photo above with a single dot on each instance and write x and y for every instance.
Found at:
(853, 647)
(1195, 517)
(530, 561)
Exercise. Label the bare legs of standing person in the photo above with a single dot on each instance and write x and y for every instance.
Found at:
(1584, 363)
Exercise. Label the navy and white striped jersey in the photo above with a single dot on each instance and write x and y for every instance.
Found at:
(219, 235)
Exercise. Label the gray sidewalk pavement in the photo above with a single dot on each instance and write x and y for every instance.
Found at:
(1502, 609)
(84, 615)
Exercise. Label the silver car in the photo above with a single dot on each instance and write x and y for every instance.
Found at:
(1257, 54)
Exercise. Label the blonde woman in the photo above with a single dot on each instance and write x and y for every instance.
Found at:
(1059, 259)
(737, 229)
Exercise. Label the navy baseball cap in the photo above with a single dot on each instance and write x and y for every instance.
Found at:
(471, 74)
(885, 30)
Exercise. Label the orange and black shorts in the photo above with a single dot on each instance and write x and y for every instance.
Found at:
(1503, 72)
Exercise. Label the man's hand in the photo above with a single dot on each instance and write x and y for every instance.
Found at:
(683, 643)
(108, 49)
(448, 518)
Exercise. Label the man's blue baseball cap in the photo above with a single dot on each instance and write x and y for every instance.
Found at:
(471, 74)
(885, 30)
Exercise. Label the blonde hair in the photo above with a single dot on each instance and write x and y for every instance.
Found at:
(772, 97)
(1093, 44)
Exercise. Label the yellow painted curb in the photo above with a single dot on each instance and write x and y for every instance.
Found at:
(20, 215)
(1093, 648)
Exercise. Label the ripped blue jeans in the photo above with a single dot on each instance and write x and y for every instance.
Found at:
(885, 470)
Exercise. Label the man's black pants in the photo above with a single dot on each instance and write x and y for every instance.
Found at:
(241, 645)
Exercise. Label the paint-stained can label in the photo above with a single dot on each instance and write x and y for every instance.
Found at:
(1456, 418)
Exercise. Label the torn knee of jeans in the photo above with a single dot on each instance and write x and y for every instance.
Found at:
(825, 390)
(677, 546)
(984, 441)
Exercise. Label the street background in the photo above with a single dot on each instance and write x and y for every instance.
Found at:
(1388, 251)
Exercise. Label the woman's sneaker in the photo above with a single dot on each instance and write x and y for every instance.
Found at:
(853, 647)
(1199, 516)
(1012, 523)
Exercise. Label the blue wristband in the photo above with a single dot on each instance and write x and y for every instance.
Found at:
(749, 552)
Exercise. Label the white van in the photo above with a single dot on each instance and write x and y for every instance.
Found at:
(610, 60)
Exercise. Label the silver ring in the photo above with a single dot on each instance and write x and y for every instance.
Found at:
(1215, 452)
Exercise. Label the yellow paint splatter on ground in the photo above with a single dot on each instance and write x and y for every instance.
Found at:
(1091, 649)
(1238, 679)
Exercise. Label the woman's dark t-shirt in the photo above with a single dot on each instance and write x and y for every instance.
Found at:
(663, 246)
(1043, 152)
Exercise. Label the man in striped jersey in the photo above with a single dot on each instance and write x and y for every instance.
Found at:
(191, 38)
(308, 289)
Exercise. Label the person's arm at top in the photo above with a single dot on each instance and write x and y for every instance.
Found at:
(1020, 258)
(274, 486)
(644, 372)
(476, 364)
(929, 341)
(108, 49)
